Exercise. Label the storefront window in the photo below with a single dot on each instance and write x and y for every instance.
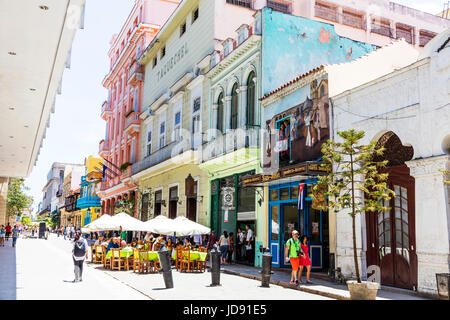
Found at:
(246, 200)
(274, 195)
(284, 194)
(294, 192)
(275, 223)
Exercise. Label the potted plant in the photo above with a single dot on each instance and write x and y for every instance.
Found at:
(354, 184)
(124, 166)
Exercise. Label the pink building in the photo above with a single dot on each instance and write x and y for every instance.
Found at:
(125, 84)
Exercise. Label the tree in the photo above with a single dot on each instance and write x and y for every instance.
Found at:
(353, 170)
(16, 199)
(124, 205)
(25, 220)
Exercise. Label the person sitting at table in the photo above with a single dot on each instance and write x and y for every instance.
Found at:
(98, 241)
(170, 245)
(157, 244)
(123, 243)
(113, 243)
(179, 242)
(187, 243)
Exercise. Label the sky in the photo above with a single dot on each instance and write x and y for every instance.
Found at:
(76, 127)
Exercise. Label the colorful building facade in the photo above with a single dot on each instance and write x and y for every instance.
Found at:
(124, 82)
(88, 204)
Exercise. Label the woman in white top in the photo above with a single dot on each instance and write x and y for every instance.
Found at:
(223, 247)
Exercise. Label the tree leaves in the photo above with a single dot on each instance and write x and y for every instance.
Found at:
(16, 199)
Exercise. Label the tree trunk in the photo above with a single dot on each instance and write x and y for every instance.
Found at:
(355, 256)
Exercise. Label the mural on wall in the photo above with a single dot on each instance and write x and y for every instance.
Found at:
(296, 134)
(302, 45)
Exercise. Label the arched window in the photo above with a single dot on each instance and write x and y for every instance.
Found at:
(234, 107)
(251, 99)
(220, 112)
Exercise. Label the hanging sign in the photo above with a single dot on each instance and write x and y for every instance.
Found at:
(228, 198)
(225, 219)
(301, 186)
(315, 228)
(281, 145)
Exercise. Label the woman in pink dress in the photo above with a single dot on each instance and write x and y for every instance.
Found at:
(304, 260)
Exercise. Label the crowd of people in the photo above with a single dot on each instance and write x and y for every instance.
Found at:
(7, 232)
(241, 249)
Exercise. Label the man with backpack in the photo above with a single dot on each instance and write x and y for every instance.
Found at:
(292, 251)
(79, 253)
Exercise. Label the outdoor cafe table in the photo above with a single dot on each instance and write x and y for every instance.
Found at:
(124, 253)
(149, 255)
(194, 255)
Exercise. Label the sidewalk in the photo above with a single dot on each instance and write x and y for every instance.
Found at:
(319, 286)
(8, 271)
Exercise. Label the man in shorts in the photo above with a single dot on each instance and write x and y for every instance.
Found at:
(291, 252)
(8, 231)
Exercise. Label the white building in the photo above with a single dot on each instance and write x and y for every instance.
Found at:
(407, 111)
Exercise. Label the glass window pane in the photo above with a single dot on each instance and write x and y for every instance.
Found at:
(275, 224)
(397, 190)
(398, 224)
(284, 194)
(314, 225)
(404, 193)
(397, 201)
(398, 238)
(405, 228)
(381, 241)
(387, 238)
(274, 195)
(387, 225)
(294, 192)
(405, 216)
(246, 199)
(405, 241)
(404, 204)
(380, 217)
(397, 213)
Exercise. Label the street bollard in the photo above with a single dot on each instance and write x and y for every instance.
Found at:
(266, 269)
(164, 259)
(215, 267)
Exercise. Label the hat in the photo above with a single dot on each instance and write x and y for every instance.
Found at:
(295, 231)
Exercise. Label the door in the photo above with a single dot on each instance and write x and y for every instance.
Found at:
(391, 234)
(275, 235)
(289, 218)
(192, 209)
(314, 232)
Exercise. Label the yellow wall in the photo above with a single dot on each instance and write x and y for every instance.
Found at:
(178, 175)
(92, 165)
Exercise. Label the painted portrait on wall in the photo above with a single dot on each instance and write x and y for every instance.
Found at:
(297, 134)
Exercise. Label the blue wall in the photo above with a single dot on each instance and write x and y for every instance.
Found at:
(293, 45)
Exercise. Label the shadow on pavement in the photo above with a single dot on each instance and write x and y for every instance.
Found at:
(8, 272)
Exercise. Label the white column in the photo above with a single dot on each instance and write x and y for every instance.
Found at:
(243, 106)
(227, 112)
(432, 219)
(214, 112)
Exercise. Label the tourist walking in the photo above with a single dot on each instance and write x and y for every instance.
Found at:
(8, 231)
(2, 235)
(211, 240)
(223, 246)
(240, 245)
(79, 254)
(304, 260)
(15, 232)
(292, 252)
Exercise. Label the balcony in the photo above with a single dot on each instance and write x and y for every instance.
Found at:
(281, 5)
(104, 148)
(382, 28)
(86, 202)
(126, 173)
(132, 123)
(156, 157)
(106, 110)
(326, 12)
(242, 3)
(135, 73)
(231, 142)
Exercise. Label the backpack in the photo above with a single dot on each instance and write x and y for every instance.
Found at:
(79, 248)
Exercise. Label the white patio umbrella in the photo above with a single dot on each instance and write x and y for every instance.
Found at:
(186, 227)
(161, 225)
(123, 221)
(101, 224)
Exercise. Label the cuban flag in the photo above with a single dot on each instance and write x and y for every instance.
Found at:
(301, 186)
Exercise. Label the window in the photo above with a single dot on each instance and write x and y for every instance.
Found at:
(196, 106)
(177, 126)
(173, 201)
(163, 52)
(195, 15)
(155, 61)
(158, 199)
(251, 99)
(182, 29)
(242, 3)
(135, 101)
(149, 141)
(234, 107)
(197, 102)
(220, 113)
(162, 134)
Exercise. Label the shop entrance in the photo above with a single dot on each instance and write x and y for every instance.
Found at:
(285, 216)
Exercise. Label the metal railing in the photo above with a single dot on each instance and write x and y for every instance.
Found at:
(242, 3)
(326, 12)
(156, 157)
